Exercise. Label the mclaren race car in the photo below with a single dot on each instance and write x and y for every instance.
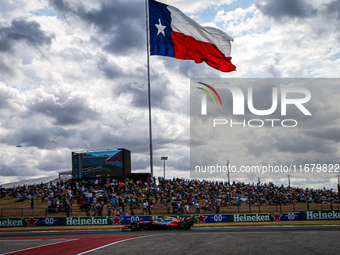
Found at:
(162, 223)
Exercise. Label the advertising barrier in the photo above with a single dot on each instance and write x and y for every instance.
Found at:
(320, 215)
(262, 217)
(198, 218)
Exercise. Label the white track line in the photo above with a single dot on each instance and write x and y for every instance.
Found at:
(111, 244)
(63, 241)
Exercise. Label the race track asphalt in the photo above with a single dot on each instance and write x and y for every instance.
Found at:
(215, 240)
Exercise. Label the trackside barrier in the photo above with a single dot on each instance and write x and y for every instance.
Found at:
(247, 217)
(198, 218)
(320, 215)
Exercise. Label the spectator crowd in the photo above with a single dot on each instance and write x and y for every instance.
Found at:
(179, 196)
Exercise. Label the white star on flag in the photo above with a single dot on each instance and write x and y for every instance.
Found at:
(160, 28)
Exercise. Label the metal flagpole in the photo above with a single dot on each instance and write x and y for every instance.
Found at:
(149, 93)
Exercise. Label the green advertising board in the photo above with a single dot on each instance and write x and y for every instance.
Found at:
(13, 222)
(321, 215)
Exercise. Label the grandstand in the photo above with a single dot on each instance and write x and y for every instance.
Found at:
(55, 196)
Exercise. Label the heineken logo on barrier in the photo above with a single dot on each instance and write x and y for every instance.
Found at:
(11, 223)
(321, 215)
(251, 217)
(78, 221)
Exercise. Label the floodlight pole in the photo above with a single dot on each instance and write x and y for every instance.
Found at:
(164, 158)
(331, 199)
(228, 173)
(149, 93)
(33, 202)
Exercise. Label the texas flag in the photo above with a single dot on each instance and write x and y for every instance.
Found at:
(173, 34)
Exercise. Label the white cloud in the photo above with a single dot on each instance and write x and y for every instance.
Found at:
(192, 6)
(87, 88)
(296, 47)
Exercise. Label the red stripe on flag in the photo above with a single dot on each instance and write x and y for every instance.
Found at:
(187, 47)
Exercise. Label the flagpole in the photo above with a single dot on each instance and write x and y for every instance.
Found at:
(149, 89)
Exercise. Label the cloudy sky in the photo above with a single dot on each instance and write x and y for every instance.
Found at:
(73, 75)
(304, 140)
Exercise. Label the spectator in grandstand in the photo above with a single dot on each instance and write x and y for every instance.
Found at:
(68, 211)
(145, 205)
(180, 194)
(132, 211)
(149, 208)
(123, 207)
(197, 205)
(187, 208)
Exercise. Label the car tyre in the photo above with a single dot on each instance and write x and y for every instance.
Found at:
(135, 226)
(182, 225)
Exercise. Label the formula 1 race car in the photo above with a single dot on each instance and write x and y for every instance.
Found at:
(163, 223)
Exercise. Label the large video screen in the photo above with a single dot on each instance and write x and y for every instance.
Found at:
(95, 164)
